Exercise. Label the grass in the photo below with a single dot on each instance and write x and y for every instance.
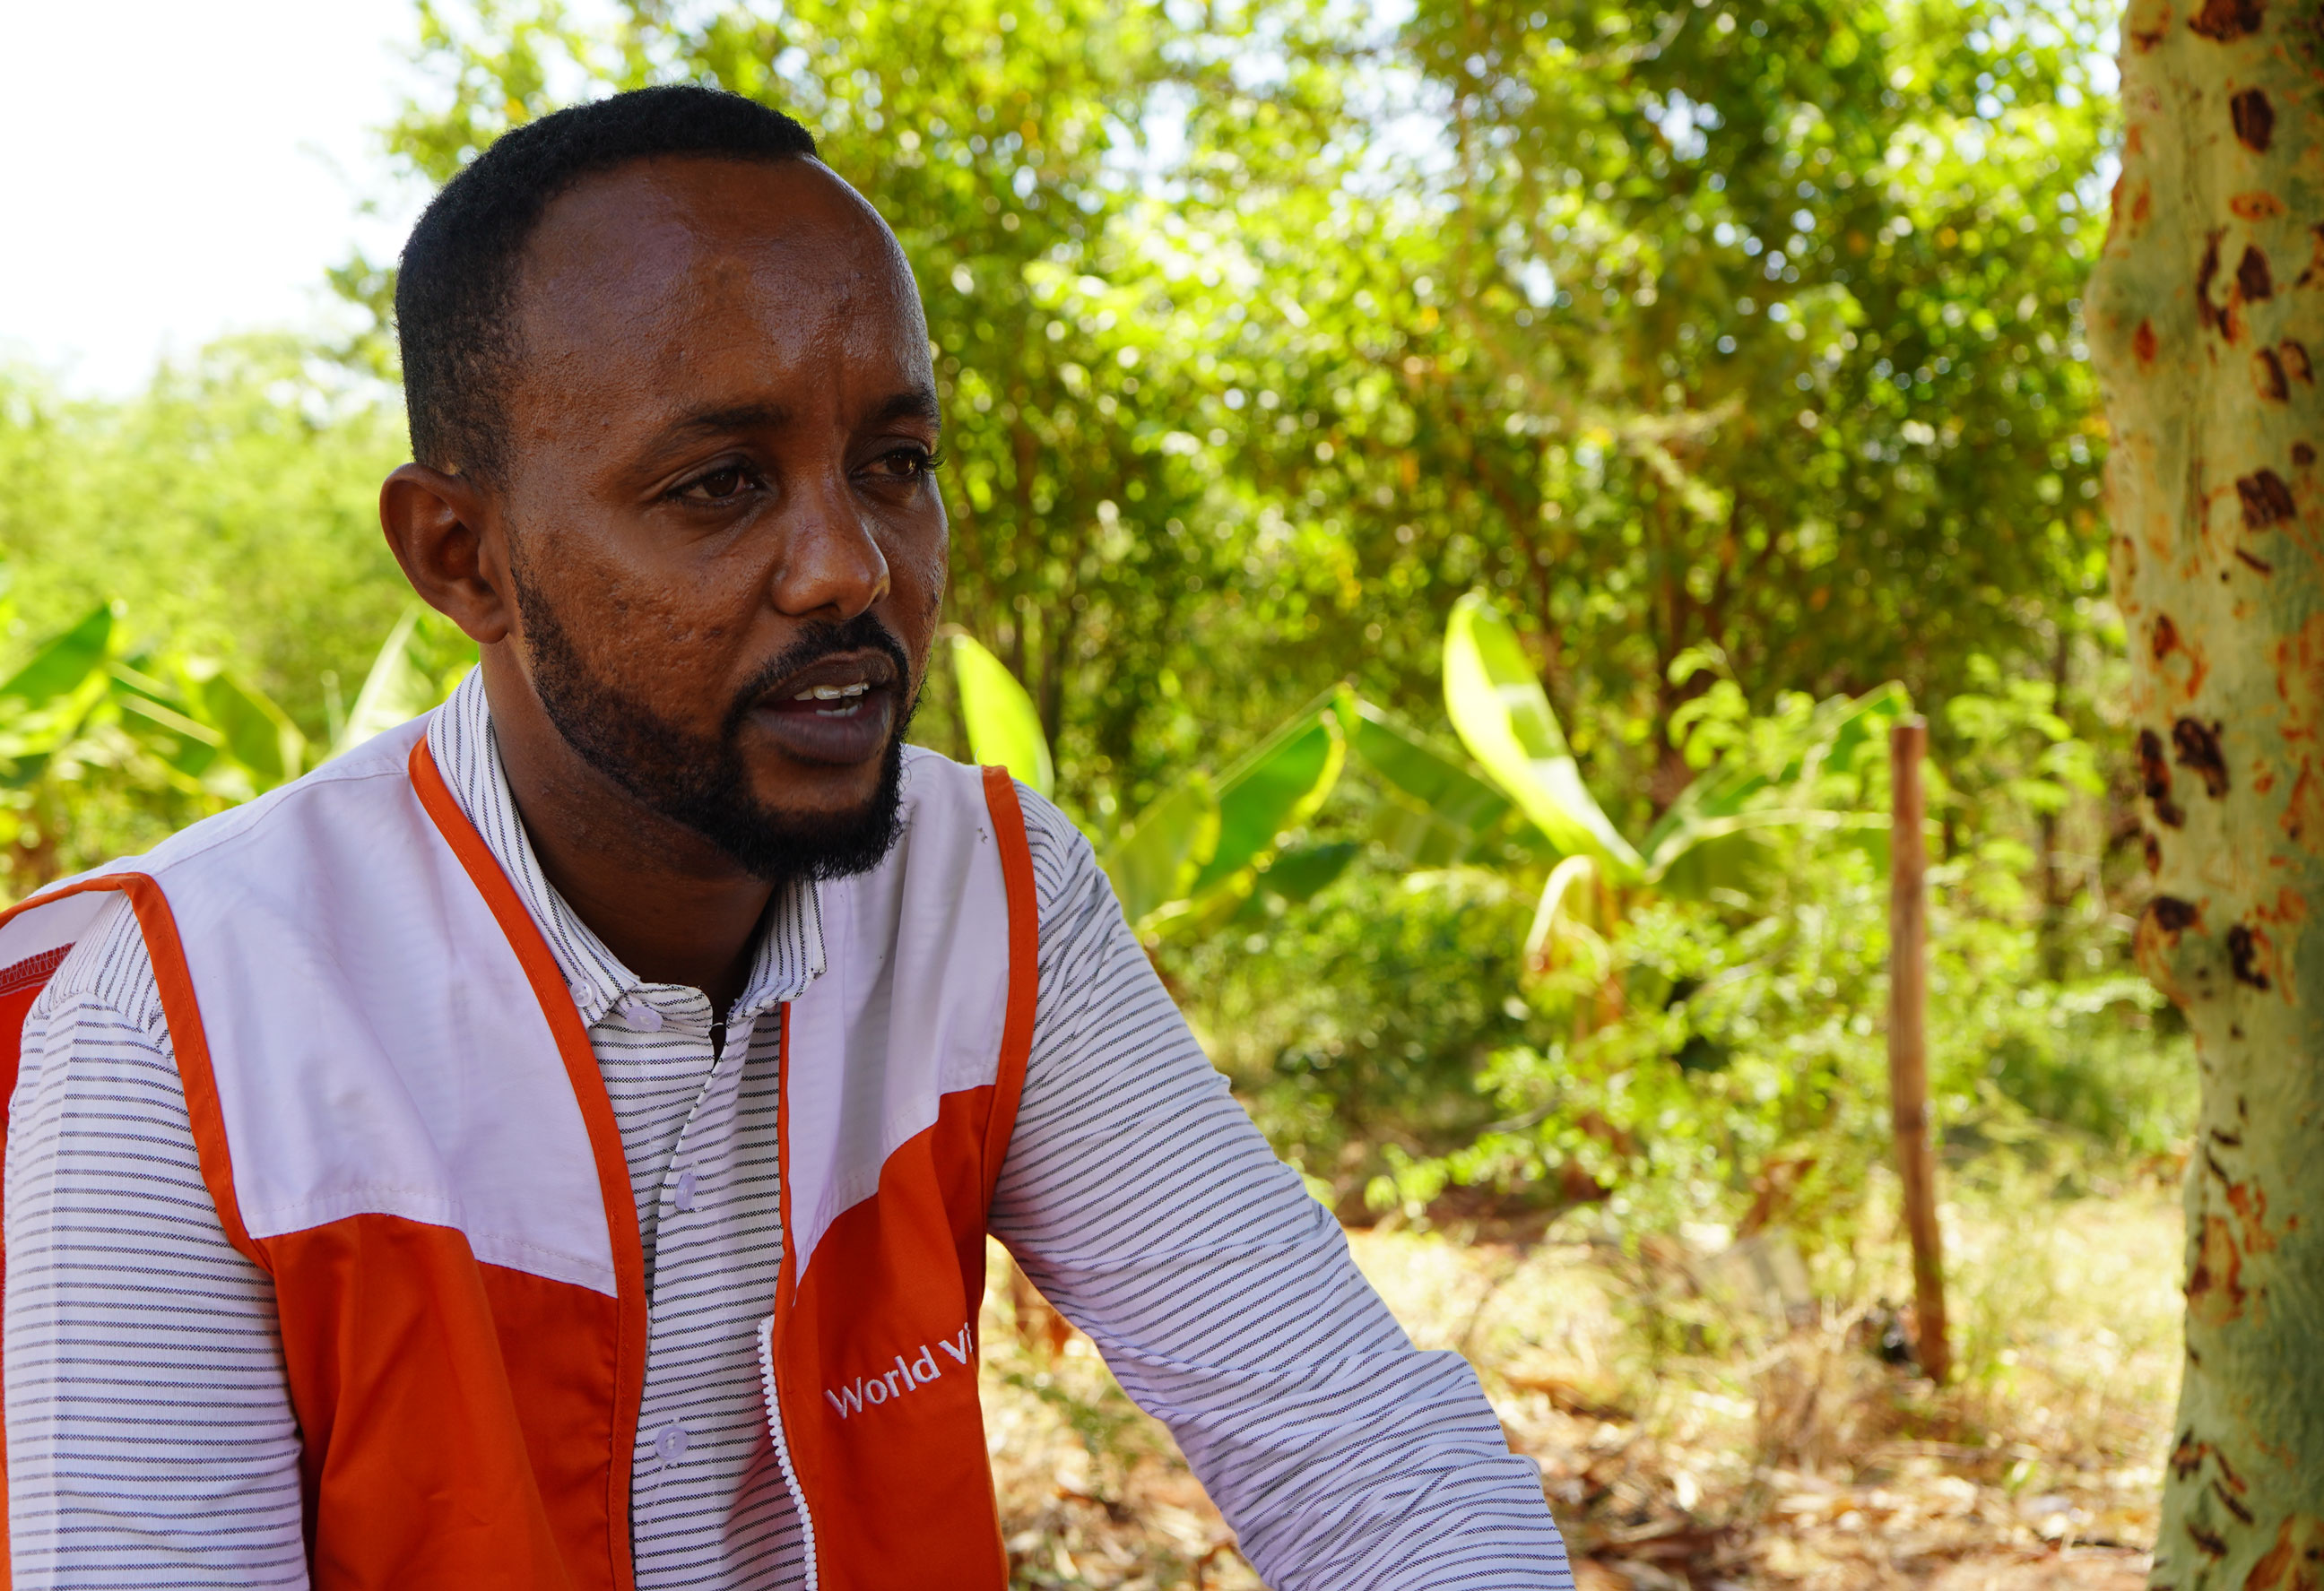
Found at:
(1695, 1426)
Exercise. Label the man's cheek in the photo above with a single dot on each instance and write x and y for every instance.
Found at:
(666, 650)
(921, 582)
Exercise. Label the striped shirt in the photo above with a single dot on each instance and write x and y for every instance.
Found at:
(151, 1440)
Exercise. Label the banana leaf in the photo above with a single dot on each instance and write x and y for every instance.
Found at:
(1277, 786)
(257, 734)
(202, 740)
(159, 716)
(59, 667)
(1297, 874)
(1154, 860)
(1504, 718)
(394, 692)
(1564, 878)
(1438, 812)
(1003, 727)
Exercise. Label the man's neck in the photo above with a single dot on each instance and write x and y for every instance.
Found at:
(671, 905)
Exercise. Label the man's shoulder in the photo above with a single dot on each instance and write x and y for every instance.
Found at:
(1058, 843)
(108, 962)
(107, 966)
(341, 786)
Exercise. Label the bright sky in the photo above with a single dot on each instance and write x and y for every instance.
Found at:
(177, 168)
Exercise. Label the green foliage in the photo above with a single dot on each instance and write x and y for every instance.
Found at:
(1277, 785)
(1154, 860)
(1691, 374)
(1436, 811)
(232, 506)
(1749, 1057)
(1497, 704)
(99, 749)
(1764, 320)
(1197, 842)
(1706, 1053)
(1361, 1016)
(1735, 326)
(418, 665)
(1003, 726)
(57, 670)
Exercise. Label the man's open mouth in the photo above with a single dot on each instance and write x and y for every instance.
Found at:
(839, 709)
(830, 701)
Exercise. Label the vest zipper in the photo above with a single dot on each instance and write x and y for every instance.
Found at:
(790, 1263)
(782, 1446)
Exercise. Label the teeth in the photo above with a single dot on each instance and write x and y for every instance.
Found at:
(832, 693)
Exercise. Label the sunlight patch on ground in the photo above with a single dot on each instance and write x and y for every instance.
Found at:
(1691, 1436)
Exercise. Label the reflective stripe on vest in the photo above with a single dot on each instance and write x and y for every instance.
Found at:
(400, 1119)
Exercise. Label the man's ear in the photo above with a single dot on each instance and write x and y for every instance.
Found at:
(435, 526)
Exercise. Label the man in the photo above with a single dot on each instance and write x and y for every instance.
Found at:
(553, 1146)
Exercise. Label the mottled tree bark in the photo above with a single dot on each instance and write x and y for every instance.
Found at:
(2203, 315)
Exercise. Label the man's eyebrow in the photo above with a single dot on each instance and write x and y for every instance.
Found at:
(710, 422)
(919, 403)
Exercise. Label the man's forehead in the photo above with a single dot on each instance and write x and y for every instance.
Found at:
(678, 237)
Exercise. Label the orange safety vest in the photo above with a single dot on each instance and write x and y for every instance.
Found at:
(402, 1121)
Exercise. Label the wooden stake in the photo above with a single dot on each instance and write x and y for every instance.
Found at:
(1908, 1051)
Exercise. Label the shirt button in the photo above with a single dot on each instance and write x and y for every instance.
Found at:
(640, 1016)
(670, 1444)
(684, 1198)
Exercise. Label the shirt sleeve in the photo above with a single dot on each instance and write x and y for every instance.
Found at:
(1139, 1197)
(151, 1440)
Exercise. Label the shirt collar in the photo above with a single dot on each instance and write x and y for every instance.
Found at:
(790, 950)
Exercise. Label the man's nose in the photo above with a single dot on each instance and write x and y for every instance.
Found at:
(831, 565)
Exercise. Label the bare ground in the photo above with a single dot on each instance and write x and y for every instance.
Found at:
(1689, 1433)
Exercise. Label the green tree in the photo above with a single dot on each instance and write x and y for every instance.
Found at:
(231, 506)
(1743, 325)
(1266, 334)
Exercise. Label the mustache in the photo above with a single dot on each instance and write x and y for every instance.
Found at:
(863, 633)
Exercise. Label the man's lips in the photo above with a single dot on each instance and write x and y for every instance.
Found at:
(838, 710)
(832, 680)
(829, 701)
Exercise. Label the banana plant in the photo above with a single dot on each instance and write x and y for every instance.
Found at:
(213, 734)
(45, 704)
(1202, 843)
(423, 657)
(1504, 717)
(1002, 723)
(1439, 812)
(159, 731)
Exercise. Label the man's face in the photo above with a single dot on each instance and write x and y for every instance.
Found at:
(728, 549)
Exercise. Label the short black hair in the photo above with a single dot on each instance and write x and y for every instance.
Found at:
(455, 290)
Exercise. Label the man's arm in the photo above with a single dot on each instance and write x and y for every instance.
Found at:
(150, 1435)
(1139, 1197)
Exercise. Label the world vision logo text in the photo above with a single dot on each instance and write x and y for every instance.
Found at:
(851, 1398)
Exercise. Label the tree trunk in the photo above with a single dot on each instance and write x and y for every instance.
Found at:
(1908, 1044)
(2053, 881)
(2203, 313)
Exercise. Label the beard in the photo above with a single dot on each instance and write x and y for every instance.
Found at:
(702, 782)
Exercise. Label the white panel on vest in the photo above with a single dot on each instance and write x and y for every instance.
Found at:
(377, 1046)
(912, 1003)
(46, 925)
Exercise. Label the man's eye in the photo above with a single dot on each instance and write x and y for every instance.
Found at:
(719, 485)
(907, 464)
